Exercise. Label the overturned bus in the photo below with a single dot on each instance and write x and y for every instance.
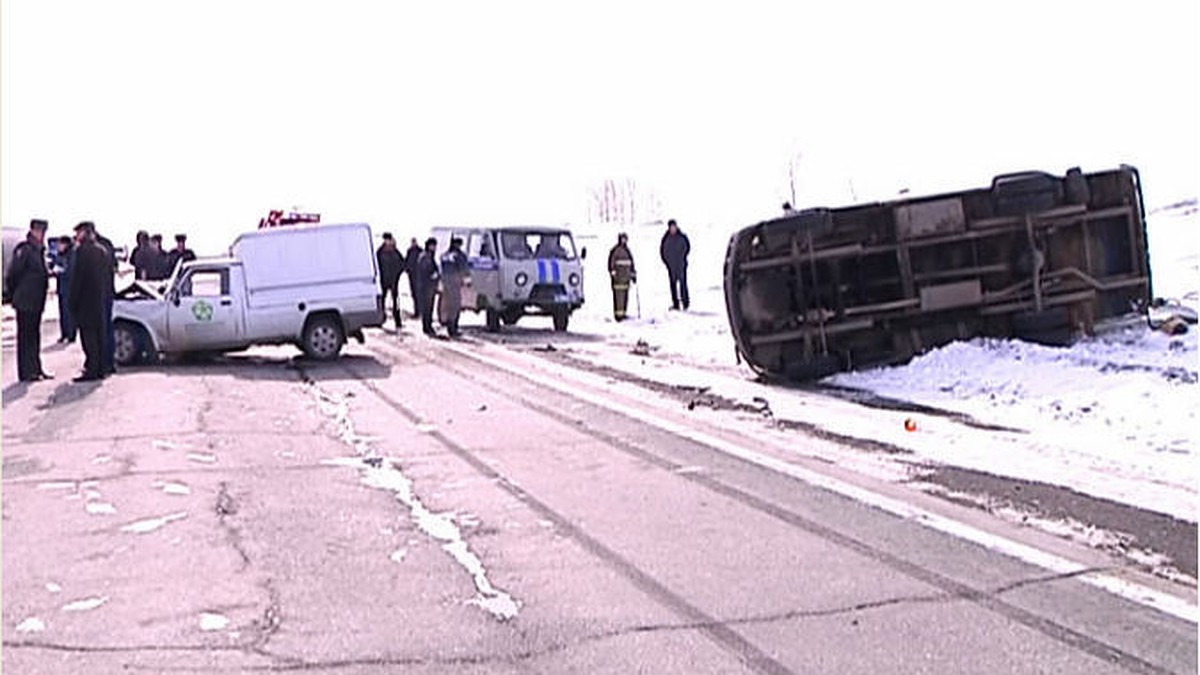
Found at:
(1034, 256)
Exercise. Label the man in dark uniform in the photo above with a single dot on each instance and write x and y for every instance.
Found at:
(427, 283)
(622, 272)
(391, 266)
(410, 264)
(28, 281)
(674, 251)
(88, 302)
(156, 259)
(140, 257)
(109, 349)
(180, 253)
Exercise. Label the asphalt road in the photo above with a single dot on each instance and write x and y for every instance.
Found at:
(419, 506)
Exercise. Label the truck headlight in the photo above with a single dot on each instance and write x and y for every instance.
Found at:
(573, 279)
(521, 279)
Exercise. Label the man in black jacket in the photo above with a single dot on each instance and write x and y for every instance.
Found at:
(410, 264)
(391, 266)
(109, 349)
(28, 281)
(674, 252)
(90, 280)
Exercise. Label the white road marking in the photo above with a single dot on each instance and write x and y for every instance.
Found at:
(1140, 594)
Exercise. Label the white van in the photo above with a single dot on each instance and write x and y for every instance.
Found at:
(517, 271)
(312, 286)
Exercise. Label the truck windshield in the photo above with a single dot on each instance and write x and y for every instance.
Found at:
(526, 245)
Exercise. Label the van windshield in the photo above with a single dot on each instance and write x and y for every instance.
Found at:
(526, 245)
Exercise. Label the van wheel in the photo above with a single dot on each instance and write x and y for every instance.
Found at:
(131, 344)
(493, 321)
(561, 318)
(510, 317)
(323, 338)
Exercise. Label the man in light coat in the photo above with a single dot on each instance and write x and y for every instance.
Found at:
(456, 272)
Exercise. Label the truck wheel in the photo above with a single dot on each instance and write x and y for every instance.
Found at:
(510, 317)
(323, 338)
(561, 317)
(131, 344)
(493, 321)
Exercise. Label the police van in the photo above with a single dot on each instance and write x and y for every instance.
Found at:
(519, 271)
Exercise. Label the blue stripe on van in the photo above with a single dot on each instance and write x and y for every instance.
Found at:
(557, 278)
(541, 271)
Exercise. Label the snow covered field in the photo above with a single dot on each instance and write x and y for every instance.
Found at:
(1112, 416)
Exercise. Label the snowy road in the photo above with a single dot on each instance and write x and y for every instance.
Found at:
(461, 507)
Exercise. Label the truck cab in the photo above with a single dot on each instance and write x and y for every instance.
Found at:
(520, 271)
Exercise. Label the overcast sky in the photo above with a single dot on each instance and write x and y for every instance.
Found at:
(201, 116)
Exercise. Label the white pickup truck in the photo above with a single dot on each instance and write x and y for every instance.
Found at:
(308, 285)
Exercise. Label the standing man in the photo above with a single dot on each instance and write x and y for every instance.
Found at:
(180, 253)
(140, 257)
(28, 281)
(410, 265)
(109, 346)
(427, 282)
(622, 272)
(63, 263)
(156, 259)
(456, 272)
(391, 266)
(674, 252)
(87, 301)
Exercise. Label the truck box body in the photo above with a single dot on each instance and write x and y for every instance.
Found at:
(326, 261)
(1033, 256)
(312, 286)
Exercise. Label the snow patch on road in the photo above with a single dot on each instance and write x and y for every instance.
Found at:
(53, 587)
(172, 488)
(152, 524)
(202, 457)
(31, 625)
(386, 474)
(100, 508)
(210, 621)
(85, 605)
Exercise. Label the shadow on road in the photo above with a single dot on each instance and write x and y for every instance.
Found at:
(14, 392)
(259, 367)
(532, 336)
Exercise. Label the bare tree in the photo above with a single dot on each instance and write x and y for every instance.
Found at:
(622, 201)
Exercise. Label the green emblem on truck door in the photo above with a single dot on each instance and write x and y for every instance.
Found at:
(202, 311)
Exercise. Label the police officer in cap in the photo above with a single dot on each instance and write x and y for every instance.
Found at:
(28, 281)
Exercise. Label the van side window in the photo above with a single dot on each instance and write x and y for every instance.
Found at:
(515, 246)
(480, 246)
